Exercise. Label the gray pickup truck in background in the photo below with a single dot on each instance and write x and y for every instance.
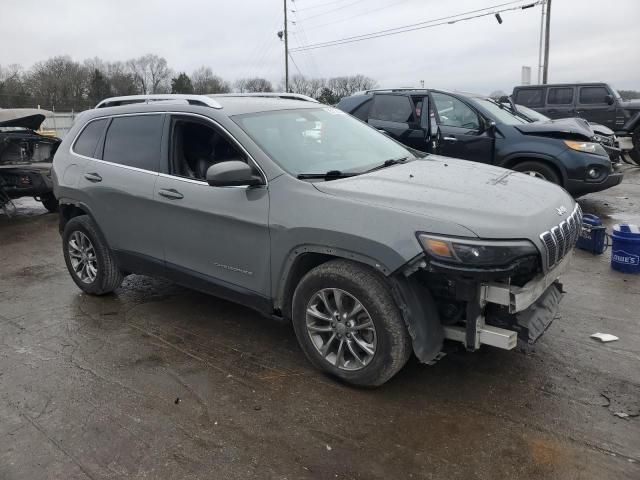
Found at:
(300, 211)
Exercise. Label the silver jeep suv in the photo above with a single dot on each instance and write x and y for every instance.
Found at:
(300, 211)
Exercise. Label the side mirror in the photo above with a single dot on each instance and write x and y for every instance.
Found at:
(608, 99)
(488, 126)
(233, 173)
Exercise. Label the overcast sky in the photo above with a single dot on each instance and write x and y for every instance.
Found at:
(590, 39)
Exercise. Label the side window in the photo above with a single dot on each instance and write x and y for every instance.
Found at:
(455, 113)
(134, 141)
(529, 97)
(195, 146)
(362, 112)
(392, 108)
(87, 142)
(593, 95)
(560, 96)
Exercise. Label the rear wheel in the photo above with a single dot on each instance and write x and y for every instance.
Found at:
(348, 324)
(635, 152)
(89, 261)
(538, 170)
(49, 201)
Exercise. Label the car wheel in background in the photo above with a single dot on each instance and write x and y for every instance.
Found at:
(635, 152)
(538, 170)
(89, 260)
(348, 324)
(49, 201)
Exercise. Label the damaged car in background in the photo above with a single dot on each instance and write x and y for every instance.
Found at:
(473, 127)
(372, 250)
(26, 157)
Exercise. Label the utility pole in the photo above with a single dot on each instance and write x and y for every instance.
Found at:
(540, 45)
(286, 50)
(545, 71)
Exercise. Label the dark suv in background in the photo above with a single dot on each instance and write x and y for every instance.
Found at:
(473, 127)
(595, 102)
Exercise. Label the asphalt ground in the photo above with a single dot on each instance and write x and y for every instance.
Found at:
(160, 382)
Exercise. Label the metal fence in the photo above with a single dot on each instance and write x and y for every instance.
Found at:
(59, 123)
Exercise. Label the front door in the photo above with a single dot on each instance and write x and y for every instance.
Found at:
(218, 236)
(460, 133)
(396, 116)
(593, 106)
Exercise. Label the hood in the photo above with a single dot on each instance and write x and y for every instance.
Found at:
(564, 126)
(30, 118)
(631, 104)
(601, 129)
(490, 201)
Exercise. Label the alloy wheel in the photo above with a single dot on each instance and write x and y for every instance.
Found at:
(83, 258)
(533, 173)
(341, 329)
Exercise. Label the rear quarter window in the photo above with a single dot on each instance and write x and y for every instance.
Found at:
(134, 141)
(530, 97)
(87, 142)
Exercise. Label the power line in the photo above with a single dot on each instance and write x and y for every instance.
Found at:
(357, 15)
(332, 10)
(318, 6)
(419, 26)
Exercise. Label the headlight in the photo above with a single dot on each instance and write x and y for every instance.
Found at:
(587, 147)
(479, 253)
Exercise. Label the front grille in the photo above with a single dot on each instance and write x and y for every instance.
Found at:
(561, 239)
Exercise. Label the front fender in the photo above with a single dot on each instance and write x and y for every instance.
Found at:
(511, 159)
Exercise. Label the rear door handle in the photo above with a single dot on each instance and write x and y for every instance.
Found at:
(450, 139)
(93, 177)
(171, 194)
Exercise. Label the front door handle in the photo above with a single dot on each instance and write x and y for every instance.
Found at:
(171, 194)
(450, 139)
(93, 177)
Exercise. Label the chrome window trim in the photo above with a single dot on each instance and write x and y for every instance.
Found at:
(197, 115)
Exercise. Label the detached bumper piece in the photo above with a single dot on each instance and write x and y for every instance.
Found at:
(505, 316)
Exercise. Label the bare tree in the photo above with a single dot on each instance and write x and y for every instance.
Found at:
(204, 81)
(59, 82)
(256, 84)
(151, 73)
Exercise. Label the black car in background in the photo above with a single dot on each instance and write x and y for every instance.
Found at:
(595, 102)
(472, 127)
(26, 157)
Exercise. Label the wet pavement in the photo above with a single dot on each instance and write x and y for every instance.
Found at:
(158, 381)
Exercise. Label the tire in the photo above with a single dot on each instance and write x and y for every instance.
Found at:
(539, 170)
(635, 152)
(107, 277)
(388, 338)
(49, 201)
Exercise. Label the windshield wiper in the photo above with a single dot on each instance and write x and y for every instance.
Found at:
(330, 175)
(388, 163)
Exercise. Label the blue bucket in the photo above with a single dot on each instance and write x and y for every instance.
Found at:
(625, 248)
(593, 235)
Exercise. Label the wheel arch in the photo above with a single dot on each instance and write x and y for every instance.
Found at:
(303, 259)
(517, 158)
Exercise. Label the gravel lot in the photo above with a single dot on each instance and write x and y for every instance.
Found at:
(162, 382)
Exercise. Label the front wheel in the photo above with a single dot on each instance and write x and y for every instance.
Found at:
(635, 152)
(348, 324)
(49, 201)
(538, 170)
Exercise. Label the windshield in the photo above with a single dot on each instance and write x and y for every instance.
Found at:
(316, 141)
(615, 93)
(532, 114)
(499, 113)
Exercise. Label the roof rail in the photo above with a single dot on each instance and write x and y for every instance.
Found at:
(202, 100)
(399, 89)
(282, 95)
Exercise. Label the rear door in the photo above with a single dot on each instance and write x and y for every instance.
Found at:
(532, 97)
(460, 133)
(395, 115)
(119, 182)
(561, 102)
(593, 105)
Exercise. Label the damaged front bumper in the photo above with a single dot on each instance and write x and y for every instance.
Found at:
(504, 316)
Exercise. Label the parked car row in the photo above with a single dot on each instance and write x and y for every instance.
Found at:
(372, 248)
(480, 129)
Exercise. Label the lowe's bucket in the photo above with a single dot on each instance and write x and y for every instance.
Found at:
(593, 235)
(625, 248)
